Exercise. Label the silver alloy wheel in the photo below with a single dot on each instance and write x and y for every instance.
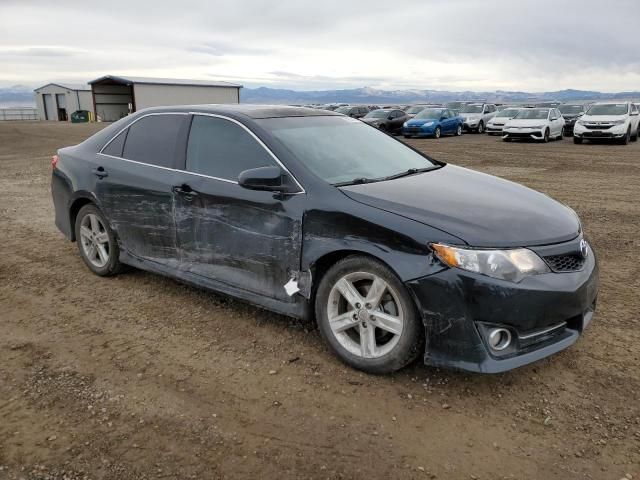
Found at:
(95, 240)
(459, 130)
(438, 132)
(365, 315)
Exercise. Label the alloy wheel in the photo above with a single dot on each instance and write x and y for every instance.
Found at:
(438, 132)
(365, 315)
(459, 130)
(94, 240)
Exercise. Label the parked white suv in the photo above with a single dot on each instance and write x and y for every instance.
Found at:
(615, 121)
(535, 124)
(477, 115)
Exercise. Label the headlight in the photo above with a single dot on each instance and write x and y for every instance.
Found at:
(405, 124)
(580, 122)
(427, 124)
(618, 122)
(536, 126)
(513, 264)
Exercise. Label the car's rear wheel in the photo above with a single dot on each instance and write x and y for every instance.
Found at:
(97, 242)
(480, 127)
(437, 133)
(367, 317)
(459, 130)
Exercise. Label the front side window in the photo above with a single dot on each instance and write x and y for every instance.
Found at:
(339, 149)
(220, 148)
(154, 140)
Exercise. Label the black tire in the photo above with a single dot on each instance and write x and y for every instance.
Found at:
(411, 340)
(634, 138)
(625, 140)
(480, 128)
(113, 265)
(407, 136)
(437, 133)
(577, 140)
(545, 138)
(459, 131)
(506, 139)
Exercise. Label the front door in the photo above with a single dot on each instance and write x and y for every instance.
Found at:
(244, 238)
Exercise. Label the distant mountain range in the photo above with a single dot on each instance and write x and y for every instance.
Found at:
(374, 96)
(23, 95)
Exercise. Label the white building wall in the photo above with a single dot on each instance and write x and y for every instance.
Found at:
(71, 97)
(147, 95)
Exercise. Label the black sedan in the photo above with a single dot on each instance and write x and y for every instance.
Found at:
(387, 120)
(313, 214)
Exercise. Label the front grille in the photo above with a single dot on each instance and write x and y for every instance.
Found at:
(598, 134)
(524, 135)
(565, 263)
(599, 126)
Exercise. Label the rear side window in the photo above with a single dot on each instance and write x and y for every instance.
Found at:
(220, 148)
(114, 148)
(154, 140)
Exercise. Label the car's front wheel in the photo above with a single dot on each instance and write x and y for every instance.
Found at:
(545, 138)
(459, 130)
(367, 317)
(481, 127)
(577, 140)
(97, 242)
(437, 133)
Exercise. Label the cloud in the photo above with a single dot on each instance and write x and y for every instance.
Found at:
(437, 44)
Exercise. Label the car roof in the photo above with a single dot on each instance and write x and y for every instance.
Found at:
(245, 109)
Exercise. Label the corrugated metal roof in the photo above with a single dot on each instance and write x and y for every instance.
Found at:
(165, 81)
(68, 86)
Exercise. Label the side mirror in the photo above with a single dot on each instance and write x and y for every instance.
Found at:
(263, 178)
(633, 114)
(443, 118)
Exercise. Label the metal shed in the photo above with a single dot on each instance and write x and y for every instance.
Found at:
(57, 101)
(115, 97)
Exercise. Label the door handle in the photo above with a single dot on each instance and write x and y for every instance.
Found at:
(100, 172)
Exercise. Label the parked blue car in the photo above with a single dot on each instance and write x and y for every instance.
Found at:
(433, 122)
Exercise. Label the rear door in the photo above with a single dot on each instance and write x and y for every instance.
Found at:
(134, 176)
(247, 239)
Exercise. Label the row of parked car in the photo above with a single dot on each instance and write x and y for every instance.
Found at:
(617, 121)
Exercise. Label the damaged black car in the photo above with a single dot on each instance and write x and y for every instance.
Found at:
(313, 214)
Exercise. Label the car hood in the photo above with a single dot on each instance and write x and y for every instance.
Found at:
(418, 122)
(471, 116)
(525, 122)
(602, 118)
(482, 210)
(500, 120)
(372, 120)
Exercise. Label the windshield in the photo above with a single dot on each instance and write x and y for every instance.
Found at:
(571, 109)
(339, 149)
(430, 113)
(533, 114)
(608, 109)
(472, 109)
(509, 112)
(342, 110)
(454, 105)
(415, 109)
(377, 114)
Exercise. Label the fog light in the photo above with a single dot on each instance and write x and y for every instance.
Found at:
(499, 338)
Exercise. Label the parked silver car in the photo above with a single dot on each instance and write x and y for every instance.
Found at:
(477, 115)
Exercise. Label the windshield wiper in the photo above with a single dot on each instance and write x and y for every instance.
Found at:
(411, 171)
(357, 181)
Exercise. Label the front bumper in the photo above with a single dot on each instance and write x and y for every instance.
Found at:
(524, 133)
(419, 131)
(494, 129)
(612, 132)
(544, 314)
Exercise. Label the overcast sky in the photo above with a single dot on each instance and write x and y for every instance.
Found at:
(540, 45)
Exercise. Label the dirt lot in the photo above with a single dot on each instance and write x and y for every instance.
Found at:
(140, 377)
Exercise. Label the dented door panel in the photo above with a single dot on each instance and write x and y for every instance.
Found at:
(138, 201)
(245, 238)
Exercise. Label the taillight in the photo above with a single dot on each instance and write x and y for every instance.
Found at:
(54, 161)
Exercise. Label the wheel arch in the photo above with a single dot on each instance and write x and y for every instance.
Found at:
(80, 200)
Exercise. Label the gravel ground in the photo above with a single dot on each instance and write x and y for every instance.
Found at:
(138, 376)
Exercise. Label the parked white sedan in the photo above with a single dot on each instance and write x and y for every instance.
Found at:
(535, 124)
